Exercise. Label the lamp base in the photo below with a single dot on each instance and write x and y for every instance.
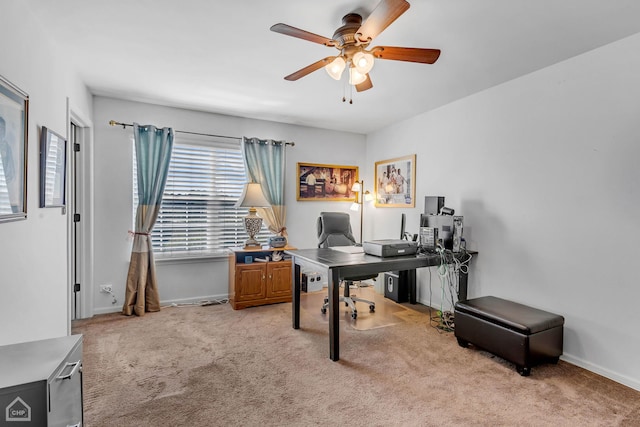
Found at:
(252, 225)
(252, 243)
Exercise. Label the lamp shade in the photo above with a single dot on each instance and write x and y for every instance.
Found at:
(335, 68)
(357, 187)
(355, 77)
(363, 61)
(252, 197)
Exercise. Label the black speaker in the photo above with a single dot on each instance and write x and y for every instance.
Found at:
(433, 204)
(395, 288)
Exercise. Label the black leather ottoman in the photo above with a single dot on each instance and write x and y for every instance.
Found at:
(518, 333)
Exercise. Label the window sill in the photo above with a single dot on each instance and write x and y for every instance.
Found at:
(196, 258)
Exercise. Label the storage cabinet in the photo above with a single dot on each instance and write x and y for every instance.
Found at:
(41, 383)
(258, 283)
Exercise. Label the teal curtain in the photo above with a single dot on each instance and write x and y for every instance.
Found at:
(265, 162)
(153, 154)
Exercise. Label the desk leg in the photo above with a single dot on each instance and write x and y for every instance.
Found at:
(295, 296)
(334, 311)
(463, 279)
(408, 278)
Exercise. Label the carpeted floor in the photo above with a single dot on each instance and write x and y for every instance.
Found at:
(213, 366)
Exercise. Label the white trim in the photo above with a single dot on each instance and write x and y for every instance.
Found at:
(168, 303)
(614, 376)
(86, 179)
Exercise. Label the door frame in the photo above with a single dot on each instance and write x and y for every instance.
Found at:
(82, 164)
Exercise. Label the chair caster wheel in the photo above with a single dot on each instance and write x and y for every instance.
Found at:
(354, 315)
(323, 310)
(372, 308)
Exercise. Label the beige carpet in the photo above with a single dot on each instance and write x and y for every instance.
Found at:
(213, 366)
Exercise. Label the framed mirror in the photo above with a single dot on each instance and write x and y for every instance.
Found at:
(14, 114)
(53, 167)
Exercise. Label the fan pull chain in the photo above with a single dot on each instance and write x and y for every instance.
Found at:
(344, 91)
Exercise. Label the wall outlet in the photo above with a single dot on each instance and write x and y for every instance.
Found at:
(106, 289)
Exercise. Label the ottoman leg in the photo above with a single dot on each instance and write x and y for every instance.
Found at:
(463, 343)
(524, 370)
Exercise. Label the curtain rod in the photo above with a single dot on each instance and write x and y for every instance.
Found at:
(124, 125)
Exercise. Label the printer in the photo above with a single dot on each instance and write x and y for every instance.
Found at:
(390, 247)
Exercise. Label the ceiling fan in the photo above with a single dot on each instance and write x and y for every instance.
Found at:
(352, 39)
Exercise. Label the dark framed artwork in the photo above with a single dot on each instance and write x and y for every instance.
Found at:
(14, 117)
(53, 169)
(325, 182)
(395, 182)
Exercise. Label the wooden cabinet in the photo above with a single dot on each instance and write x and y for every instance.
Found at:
(41, 383)
(258, 283)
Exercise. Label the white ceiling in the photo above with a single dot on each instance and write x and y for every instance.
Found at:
(219, 56)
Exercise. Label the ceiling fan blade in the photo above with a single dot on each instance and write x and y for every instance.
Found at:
(409, 54)
(288, 30)
(382, 16)
(365, 85)
(310, 68)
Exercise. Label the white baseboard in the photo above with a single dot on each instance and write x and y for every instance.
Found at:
(614, 376)
(168, 303)
(596, 369)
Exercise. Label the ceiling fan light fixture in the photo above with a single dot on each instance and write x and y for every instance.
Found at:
(336, 67)
(363, 61)
(355, 77)
(352, 40)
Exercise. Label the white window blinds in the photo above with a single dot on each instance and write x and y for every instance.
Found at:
(197, 216)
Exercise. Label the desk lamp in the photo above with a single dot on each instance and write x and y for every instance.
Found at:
(252, 198)
(358, 205)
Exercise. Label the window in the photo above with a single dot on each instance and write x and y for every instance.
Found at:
(198, 216)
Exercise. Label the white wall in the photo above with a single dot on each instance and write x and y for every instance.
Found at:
(201, 279)
(545, 171)
(33, 253)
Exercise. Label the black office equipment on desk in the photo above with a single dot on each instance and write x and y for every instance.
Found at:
(433, 204)
(390, 247)
(443, 227)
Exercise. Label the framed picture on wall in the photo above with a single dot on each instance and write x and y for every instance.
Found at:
(325, 182)
(53, 167)
(395, 182)
(14, 115)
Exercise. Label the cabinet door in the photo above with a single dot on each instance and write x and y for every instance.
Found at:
(279, 279)
(250, 281)
(65, 393)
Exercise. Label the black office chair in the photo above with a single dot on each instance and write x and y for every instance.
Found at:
(334, 229)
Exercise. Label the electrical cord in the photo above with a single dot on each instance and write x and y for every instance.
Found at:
(449, 268)
(440, 321)
(201, 303)
(108, 291)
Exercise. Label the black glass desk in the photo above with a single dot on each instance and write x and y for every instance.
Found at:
(342, 264)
